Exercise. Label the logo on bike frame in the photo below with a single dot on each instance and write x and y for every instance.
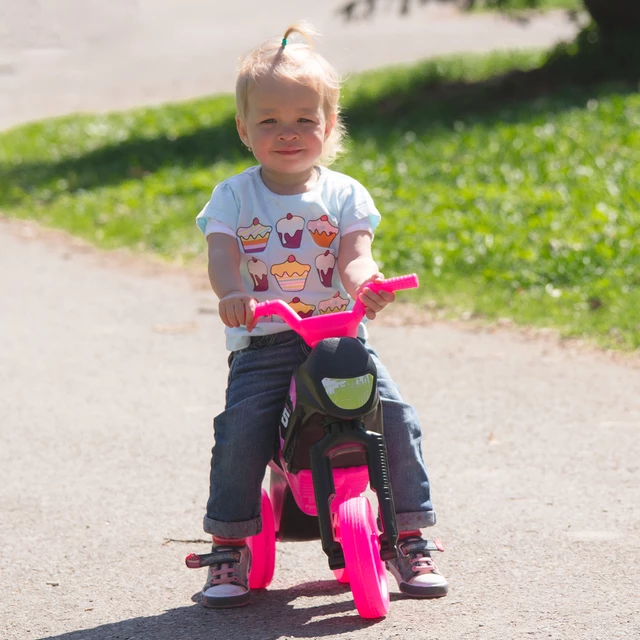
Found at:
(349, 393)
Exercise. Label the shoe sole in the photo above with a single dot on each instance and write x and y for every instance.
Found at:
(226, 603)
(422, 592)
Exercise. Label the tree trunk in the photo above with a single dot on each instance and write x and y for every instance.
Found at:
(615, 15)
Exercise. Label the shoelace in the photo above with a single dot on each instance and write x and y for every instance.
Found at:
(223, 573)
(422, 564)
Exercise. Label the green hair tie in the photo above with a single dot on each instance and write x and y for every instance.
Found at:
(284, 42)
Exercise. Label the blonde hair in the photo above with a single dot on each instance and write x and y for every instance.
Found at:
(301, 63)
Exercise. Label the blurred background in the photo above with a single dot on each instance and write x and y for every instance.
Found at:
(61, 56)
(499, 138)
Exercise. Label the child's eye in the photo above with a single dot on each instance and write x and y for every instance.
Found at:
(304, 120)
(268, 121)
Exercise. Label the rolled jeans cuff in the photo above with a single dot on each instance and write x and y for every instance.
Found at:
(415, 520)
(233, 529)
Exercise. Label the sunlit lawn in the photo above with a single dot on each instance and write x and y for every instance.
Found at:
(528, 209)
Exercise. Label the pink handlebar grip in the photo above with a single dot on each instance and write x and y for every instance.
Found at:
(330, 325)
(390, 284)
(395, 284)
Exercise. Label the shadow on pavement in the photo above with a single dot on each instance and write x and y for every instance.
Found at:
(272, 614)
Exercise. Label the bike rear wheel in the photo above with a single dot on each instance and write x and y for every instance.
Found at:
(263, 548)
(361, 547)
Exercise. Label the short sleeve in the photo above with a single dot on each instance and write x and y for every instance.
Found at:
(220, 213)
(359, 213)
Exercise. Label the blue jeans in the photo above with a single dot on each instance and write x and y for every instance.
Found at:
(245, 433)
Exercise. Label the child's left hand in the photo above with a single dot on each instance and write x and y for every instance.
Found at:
(374, 302)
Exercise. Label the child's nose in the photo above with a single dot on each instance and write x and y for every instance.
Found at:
(288, 134)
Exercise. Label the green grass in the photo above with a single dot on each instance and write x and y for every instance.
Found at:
(506, 204)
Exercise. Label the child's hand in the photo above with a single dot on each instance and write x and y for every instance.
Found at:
(236, 308)
(374, 302)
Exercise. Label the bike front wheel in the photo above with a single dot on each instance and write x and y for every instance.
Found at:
(361, 547)
(263, 548)
(341, 575)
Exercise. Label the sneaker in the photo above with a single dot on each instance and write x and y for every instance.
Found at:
(228, 579)
(415, 570)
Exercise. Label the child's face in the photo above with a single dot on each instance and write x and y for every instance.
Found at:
(285, 125)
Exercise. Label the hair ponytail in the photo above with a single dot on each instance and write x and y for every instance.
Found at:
(304, 29)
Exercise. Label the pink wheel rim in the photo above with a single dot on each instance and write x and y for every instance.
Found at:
(263, 548)
(367, 573)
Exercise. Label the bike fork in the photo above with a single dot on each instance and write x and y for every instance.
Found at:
(339, 434)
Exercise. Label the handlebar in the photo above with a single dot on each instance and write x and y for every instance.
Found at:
(331, 325)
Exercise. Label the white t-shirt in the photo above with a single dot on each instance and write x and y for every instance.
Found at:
(289, 244)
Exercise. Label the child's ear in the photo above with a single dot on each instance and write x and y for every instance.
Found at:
(242, 130)
(328, 128)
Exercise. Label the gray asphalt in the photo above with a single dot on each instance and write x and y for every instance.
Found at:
(111, 369)
(110, 374)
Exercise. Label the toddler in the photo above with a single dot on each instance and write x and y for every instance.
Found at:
(291, 228)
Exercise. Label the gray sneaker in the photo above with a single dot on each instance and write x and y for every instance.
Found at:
(415, 571)
(228, 579)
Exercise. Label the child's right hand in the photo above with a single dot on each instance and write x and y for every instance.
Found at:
(236, 308)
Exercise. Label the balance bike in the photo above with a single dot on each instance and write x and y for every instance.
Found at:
(330, 449)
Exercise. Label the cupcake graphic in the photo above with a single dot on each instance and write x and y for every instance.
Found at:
(291, 275)
(301, 308)
(258, 272)
(325, 263)
(255, 237)
(290, 231)
(322, 231)
(334, 304)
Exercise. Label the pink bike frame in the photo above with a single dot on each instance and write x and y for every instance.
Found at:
(349, 482)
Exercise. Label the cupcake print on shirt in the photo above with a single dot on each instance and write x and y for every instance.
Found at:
(322, 231)
(258, 272)
(255, 237)
(290, 230)
(334, 304)
(303, 309)
(325, 264)
(291, 275)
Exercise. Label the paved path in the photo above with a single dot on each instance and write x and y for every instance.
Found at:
(111, 369)
(109, 377)
(61, 56)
